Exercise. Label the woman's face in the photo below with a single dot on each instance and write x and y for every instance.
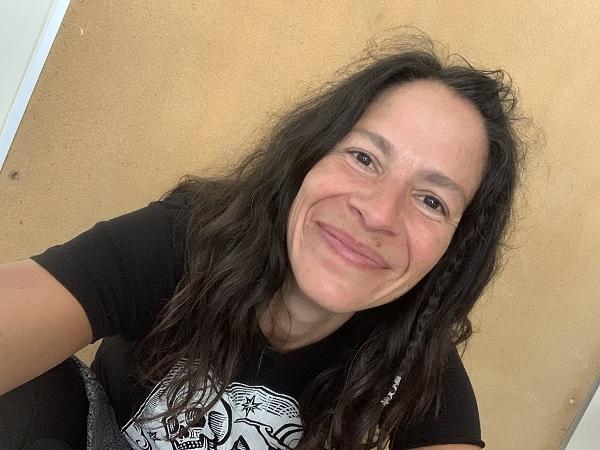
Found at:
(378, 212)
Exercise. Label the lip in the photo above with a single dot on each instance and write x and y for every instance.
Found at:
(351, 249)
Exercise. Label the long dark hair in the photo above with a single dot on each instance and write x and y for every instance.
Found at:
(236, 260)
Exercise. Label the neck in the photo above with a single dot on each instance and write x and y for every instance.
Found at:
(291, 320)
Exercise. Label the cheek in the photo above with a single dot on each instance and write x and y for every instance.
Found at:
(322, 184)
(297, 218)
(427, 248)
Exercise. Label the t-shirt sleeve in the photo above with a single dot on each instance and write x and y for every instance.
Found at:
(122, 270)
(458, 420)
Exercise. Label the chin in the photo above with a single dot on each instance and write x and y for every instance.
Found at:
(336, 300)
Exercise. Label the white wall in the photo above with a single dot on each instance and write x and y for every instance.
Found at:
(585, 431)
(27, 30)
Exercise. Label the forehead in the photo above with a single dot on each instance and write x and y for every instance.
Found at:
(428, 126)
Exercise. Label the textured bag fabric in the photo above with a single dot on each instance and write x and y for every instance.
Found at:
(102, 430)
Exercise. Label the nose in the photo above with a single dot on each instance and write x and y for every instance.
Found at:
(379, 207)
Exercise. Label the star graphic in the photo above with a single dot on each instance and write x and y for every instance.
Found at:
(251, 405)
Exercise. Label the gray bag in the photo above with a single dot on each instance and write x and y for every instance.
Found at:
(103, 433)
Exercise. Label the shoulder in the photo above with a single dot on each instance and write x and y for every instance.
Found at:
(457, 425)
(457, 390)
(121, 269)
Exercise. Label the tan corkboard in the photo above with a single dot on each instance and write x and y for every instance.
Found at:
(135, 94)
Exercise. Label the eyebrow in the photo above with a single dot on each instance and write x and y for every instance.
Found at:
(432, 176)
(441, 180)
(378, 141)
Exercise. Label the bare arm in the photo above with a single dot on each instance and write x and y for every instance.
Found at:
(41, 323)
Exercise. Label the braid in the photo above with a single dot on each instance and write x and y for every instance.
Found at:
(423, 324)
(427, 316)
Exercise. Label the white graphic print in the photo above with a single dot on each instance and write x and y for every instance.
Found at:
(245, 418)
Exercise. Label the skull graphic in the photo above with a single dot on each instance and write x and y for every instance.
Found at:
(208, 432)
(245, 418)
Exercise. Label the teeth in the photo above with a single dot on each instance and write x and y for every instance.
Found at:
(190, 445)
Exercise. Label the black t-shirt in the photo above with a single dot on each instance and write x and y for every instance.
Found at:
(123, 270)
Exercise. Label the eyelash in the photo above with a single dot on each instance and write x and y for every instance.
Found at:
(357, 153)
(441, 206)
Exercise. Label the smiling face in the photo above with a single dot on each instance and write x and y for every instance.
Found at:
(378, 212)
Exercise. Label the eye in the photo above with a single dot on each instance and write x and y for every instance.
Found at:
(435, 204)
(364, 159)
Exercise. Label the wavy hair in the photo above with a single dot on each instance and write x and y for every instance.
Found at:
(236, 260)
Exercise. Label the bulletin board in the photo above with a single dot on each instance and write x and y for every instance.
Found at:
(136, 94)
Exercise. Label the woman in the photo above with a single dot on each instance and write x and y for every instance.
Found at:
(315, 296)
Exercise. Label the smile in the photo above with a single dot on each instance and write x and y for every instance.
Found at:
(343, 247)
